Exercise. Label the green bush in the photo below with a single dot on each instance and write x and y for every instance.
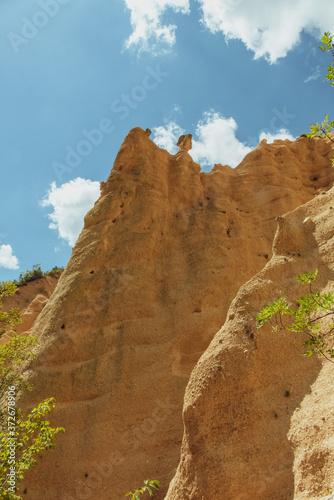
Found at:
(36, 273)
(55, 271)
(8, 320)
(28, 276)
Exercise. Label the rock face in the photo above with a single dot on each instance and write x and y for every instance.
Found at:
(30, 300)
(162, 254)
(258, 416)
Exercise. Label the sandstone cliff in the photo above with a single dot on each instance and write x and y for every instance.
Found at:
(29, 299)
(162, 254)
(258, 416)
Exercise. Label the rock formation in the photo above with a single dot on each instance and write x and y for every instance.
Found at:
(258, 416)
(162, 255)
(30, 300)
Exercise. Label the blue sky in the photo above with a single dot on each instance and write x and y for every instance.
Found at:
(77, 75)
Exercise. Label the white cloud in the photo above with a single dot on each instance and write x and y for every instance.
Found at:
(267, 27)
(7, 258)
(167, 136)
(214, 141)
(217, 142)
(281, 134)
(70, 202)
(149, 31)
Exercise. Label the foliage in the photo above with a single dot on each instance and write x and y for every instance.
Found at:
(306, 318)
(27, 437)
(32, 275)
(328, 45)
(323, 129)
(36, 273)
(8, 320)
(147, 488)
(18, 349)
(30, 437)
(12, 355)
(55, 271)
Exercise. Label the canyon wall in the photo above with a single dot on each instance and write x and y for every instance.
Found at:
(162, 255)
(29, 299)
(258, 415)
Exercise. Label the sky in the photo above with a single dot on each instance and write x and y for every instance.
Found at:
(78, 75)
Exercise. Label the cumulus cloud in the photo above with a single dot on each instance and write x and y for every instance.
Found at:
(70, 202)
(167, 136)
(214, 141)
(281, 134)
(268, 28)
(7, 258)
(149, 31)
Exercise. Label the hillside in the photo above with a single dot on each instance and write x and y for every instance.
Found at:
(30, 300)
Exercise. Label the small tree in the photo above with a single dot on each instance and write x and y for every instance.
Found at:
(24, 440)
(327, 126)
(13, 354)
(307, 318)
(10, 319)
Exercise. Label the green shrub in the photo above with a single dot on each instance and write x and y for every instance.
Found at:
(13, 355)
(28, 276)
(36, 273)
(8, 320)
(55, 271)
